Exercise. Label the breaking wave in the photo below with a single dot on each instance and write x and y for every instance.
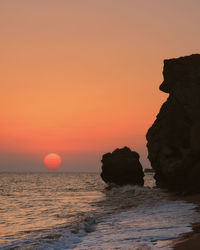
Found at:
(128, 217)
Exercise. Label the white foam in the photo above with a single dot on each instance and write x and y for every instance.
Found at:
(129, 217)
(151, 223)
(142, 227)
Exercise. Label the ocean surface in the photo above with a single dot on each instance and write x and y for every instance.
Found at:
(76, 211)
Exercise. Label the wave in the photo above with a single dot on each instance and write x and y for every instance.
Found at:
(128, 217)
(63, 237)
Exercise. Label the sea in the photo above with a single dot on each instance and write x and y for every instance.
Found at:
(78, 211)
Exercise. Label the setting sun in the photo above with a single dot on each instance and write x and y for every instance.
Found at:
(52, 161)
(100, 124)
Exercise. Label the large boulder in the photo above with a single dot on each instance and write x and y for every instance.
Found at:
(122, 167)
(173, 141)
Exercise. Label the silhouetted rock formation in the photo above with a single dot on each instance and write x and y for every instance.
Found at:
(174, 138)
(149, 170)
(122, 167)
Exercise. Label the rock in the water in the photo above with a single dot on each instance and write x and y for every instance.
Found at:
(122, 167)
(174, 138)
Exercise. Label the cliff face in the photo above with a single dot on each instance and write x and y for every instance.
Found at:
(173, 141)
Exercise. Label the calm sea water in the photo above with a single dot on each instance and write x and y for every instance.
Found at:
(75, 211)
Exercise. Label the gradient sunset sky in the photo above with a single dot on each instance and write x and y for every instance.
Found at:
(81, 77)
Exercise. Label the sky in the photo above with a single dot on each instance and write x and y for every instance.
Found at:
(81, 77)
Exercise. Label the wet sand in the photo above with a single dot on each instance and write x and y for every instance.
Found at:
(193, 243)
(190, 241)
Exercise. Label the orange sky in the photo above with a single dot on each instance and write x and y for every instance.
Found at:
(80, 77)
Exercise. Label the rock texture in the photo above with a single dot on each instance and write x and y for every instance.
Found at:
(122, 167)
(173, 141)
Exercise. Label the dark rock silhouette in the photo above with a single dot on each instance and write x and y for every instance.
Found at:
(174, 138)
(122, 167)
(149, 170)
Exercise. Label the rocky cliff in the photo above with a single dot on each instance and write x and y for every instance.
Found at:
(122, 167)
(173, 141)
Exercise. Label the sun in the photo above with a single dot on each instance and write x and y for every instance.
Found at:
(52, 161)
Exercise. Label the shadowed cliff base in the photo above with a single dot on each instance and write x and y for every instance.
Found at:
(122, 167)
(173, 141)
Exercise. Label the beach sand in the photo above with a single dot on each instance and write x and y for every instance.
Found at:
(190, 241)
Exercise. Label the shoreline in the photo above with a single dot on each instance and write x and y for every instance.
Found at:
(189, 240)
